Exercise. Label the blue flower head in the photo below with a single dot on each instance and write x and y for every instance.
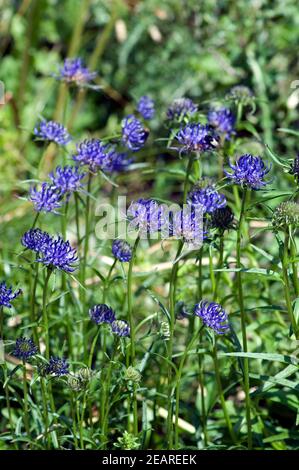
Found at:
(24, 348)
(134, 135)
(52, 131)
(249, 171)
(57, 366)
(47, 199)
(180, 108)
(59, 254)
(122, 250)
(197, 138)
(114, 161)
(213, 315)
(146, 216)
(91, 153)
(36, 240)
(188, 225)
(120, 328)
(223, 119)
(101, 313)
(146, 107)
(67, 180)
(73, 71)
(222, 218)
(207, 197)
(7, 295)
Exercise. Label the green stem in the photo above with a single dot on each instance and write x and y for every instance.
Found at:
(221, 395)
(45, 410)
(25, 390)
(32, 305)
(45, 314)
(1, 322)
(106, 385)
(287, 287)
(132, 330)
(243, 321)
(294, 264)
(178, 385)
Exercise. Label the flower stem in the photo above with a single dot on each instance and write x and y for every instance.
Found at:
(243, 321)
(107, 383)
(132, 330)
(45, 314)
(287, 289)
(25, 390)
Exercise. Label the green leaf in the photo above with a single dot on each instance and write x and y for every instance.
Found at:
(265, 357)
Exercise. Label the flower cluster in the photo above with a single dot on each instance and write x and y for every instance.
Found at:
(249, 171)
(213, 315)
(67, 180)
(73, 71)
(52, 131)
(57, 366)
(146, 216)
(122, 250)
(120, 328)
(96, 155)
(222, 218)
(240, 94)
(180, 108)
(101, 313)
(134, 135)
(197, 138)
(7, 295)
(187, 224)
(285, 215)
(294, 170)
(54, 251)
(206, 197)
(47, 199)
(146, 107)
(223, 120)
(24, 348)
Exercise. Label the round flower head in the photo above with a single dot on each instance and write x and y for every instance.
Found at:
(213, 316)
(73, 71)
(91, 152)
(223, 120)
(146, 216)
(188, 226)
(114, 161)
(197, 138)
(146, 107)
(134, 135)
(286, 214)
(24, 348)
(249, 171)
(57, 253)
(122, 250)
(47, 199)
(52, 131)
(7, 295)
(57, 366)
(36, 240)
(294, 170)
(222, 218)
(240, 94)
(101, 313)
(207, 197)
(67, 180)
(120, 328)
(181, 108)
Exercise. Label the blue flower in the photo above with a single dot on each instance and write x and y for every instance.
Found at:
(180, 108)
(122, 250)
(120, 328)
(146, 216)
(222, 218)
(197, 138)
(294, 169)
(213, 316)
(24, 348)
(207, 197)
(146, 107)
(67, 179)
(114, 161)
(74, 71)
(188, 225)
(249, 171)
(91, 152)
(7, 295)
(223, 120)
(47, 199)
(101, 313)
(134, 135)
(36, 240)
(57, 366)
(52, 132)
(59, 254)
